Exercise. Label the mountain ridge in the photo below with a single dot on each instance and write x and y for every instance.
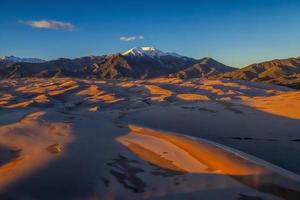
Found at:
(277, 71)
(137, 63)
(19, 59)
(204, 68)
(149, 62)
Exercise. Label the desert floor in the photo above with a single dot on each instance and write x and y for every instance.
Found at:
(64, 138)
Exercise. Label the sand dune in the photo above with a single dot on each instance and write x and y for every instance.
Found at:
(184, 154)
(27, 140)
(284, 104)
(77, 132)
(259, 96)
(158, 93)
(192, 97)
(206, 155)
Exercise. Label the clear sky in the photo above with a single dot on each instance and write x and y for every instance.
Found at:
(235, 32)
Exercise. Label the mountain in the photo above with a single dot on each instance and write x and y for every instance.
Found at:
(149, 52)
(129, 66)
(79, 67)
(203, 68)
(149, 62)
(136, 63)
(18, 59)
(279, 71)
(114, 66)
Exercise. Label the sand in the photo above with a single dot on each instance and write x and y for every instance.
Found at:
(285, 104)
(28, 141)
(165, 138)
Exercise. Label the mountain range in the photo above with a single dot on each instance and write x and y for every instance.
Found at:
(279, 71)
(149, 62)
(137, 63)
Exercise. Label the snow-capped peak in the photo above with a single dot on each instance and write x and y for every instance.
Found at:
(18, 59)
(147, 51)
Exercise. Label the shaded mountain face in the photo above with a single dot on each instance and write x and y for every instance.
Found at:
(281, 71)
(138, 63)
(203, 68)
(113, 66)
(79, 67)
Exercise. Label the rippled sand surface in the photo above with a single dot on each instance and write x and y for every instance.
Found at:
(66, 138)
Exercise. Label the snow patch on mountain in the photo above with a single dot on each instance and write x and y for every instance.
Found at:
(149, 52)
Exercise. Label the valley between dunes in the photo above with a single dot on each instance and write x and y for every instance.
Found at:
(163, 138)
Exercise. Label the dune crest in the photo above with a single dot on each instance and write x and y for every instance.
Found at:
(158, 93)
(192, 97)
(191, 155)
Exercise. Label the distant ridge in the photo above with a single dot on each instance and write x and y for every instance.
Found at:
(204, 68)
(18, 59)
(278, 71)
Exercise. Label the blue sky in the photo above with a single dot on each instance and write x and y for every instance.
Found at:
(235, 32)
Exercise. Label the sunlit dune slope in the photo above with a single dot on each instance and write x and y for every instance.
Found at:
(31, 143)
(284, 104)
(189, 155)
